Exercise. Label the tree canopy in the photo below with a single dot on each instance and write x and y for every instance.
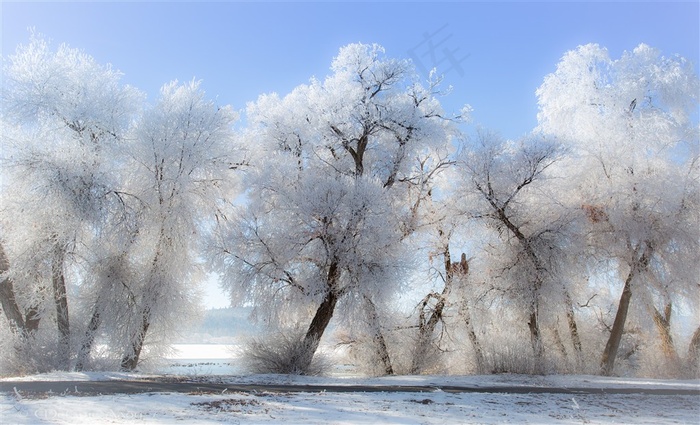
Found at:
(573, 249)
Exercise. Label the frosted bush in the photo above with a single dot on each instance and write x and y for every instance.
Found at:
(283, 352)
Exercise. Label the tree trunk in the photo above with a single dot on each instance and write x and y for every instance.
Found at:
(573, 332)
(322, 318)
(61, 302)
(536, 339)
(607, 362)
(476, 345)
(426, 329)
(663, 325)
(131, 358)
(8, 302)
(318, 325)
(32, 319)
(694, 353)
(378, 336)
(86, 346)
(152, 294)
(533, 322)
(560, 345)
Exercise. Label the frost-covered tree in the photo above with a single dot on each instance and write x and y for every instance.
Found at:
(103, 202)
(63, 118)
(510, 187)
(339, 170)
(434, 307)
(183, 155)
(631, 126)
(443, 276)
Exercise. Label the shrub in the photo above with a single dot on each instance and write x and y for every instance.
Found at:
(283, 352)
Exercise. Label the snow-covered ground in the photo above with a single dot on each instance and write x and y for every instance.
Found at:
(436, 407)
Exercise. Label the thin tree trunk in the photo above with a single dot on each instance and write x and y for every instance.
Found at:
(89, 339)
(607, 362)
(663, 325)
(533, 325)
(32, 319)
(533, 322)
(426, 329)
(8, 301)
(694, 353)
(476, 345)
(322, 318)
(61, 302)
(131, 359)
(378, 336)
(559, 343)
(573, 332)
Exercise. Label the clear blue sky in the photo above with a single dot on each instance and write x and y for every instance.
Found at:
(501, 51)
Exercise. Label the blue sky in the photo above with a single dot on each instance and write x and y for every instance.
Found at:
(500, 51)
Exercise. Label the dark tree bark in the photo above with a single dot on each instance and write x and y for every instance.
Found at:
(533, 163)
(357, 153)
(663, 325)
(538, 269)
(694, 353)
(426, 326)
(8, 302)
(322, 317)
(559, 343)
(607, 362)
(131, 359)
(573, 332)
(533, 325)
(465, 313)
(533, 321)
(378, 337)
(32, 319)
(89, 339)
(61, 302)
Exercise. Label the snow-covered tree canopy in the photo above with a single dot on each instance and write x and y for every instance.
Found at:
(629, 123)
(332, 161)
(102, 196)
(336, 197)
(634, 169)
(339, 169)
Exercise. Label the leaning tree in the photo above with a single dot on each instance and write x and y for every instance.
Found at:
(64, 118)
(631, 126)
(339, 168)
(511, 189)
(183, 161)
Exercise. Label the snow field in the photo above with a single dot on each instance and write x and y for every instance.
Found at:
(350, 408)
(212, 362)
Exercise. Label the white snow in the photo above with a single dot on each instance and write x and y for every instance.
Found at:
(434, 407)
(350, 408)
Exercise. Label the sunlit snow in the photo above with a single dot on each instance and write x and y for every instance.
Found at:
(433, 407)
